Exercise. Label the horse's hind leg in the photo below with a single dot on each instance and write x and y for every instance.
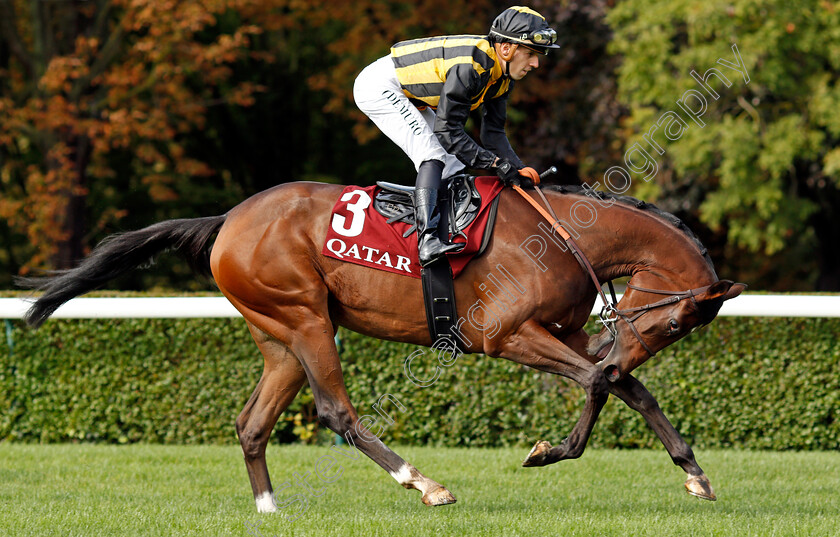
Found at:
(313, 342)
(281, 380)
(337, 412)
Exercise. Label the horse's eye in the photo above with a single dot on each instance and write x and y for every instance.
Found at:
(674, 326)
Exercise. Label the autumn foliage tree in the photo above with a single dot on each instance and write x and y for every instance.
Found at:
(91, 89)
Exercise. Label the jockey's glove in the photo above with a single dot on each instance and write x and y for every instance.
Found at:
(510, 175)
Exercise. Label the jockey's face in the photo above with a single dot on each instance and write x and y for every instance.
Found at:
(524, 60)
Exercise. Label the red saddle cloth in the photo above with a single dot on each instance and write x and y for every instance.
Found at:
(359, 234)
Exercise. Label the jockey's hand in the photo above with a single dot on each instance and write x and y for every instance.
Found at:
(510, 175)
(507, 172)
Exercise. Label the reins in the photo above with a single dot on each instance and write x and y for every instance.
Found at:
(570, 242)
(610, 307)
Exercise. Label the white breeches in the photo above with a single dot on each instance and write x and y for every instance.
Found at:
(378, 94)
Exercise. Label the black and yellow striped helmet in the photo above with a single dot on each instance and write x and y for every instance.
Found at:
(524, 26)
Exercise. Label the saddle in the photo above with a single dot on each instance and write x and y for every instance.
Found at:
(460, 203)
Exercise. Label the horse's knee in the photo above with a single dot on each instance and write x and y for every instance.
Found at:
(639, 400)
(597, 386)
(646, 405)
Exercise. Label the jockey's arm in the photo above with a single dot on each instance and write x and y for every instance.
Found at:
(493, 134)
(462, 82)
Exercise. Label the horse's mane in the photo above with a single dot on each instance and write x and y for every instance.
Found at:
(650, 208)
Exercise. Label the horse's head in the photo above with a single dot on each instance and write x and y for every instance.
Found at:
(648, 320)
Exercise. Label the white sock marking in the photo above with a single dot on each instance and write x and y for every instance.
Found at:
(403, 475)
(265, 503)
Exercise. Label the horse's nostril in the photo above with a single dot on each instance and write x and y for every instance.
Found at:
(612, 373)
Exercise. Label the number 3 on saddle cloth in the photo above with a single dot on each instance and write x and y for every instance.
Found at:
(374, 226)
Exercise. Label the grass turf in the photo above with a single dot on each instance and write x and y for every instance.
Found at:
(93, 490)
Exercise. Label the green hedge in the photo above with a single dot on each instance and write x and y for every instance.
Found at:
(750, 383)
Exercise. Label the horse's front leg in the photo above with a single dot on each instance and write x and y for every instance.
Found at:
(637, 397)
(534, 346)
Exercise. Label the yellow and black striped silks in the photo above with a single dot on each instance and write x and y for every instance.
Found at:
(424, 65)
(454, 75)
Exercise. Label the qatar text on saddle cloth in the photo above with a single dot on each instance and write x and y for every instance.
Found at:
(359, 234)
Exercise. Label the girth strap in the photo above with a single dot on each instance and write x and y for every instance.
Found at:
(439, 298)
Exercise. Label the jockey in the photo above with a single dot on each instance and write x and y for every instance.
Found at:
(421, 95)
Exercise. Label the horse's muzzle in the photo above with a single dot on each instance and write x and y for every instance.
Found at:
(612, 372)
(609, 363)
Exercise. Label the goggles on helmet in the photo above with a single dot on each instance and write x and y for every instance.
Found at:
(541, 38)
(544, 37)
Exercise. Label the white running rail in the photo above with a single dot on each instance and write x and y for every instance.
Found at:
(214, 307)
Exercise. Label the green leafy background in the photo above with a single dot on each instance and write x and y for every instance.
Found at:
(740, 382)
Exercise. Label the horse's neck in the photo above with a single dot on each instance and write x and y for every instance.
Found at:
(627, 241)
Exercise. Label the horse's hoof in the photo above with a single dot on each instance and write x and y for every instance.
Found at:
(439, 496)
(699, 485)
(538, 454)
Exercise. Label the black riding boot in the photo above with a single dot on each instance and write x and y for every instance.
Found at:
(426, 214)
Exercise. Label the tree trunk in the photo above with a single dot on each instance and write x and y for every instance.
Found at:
(72, 248)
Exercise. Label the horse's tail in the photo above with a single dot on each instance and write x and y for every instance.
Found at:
(120, 253)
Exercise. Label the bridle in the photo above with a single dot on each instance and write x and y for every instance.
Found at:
(610, 313)
(610, 308)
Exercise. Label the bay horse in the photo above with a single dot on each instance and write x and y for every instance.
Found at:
(266, 259)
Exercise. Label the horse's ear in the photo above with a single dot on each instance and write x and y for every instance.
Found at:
(724, 290)
(735, 290)
(709, 303)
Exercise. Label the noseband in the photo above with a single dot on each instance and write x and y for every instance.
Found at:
(610, 309)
